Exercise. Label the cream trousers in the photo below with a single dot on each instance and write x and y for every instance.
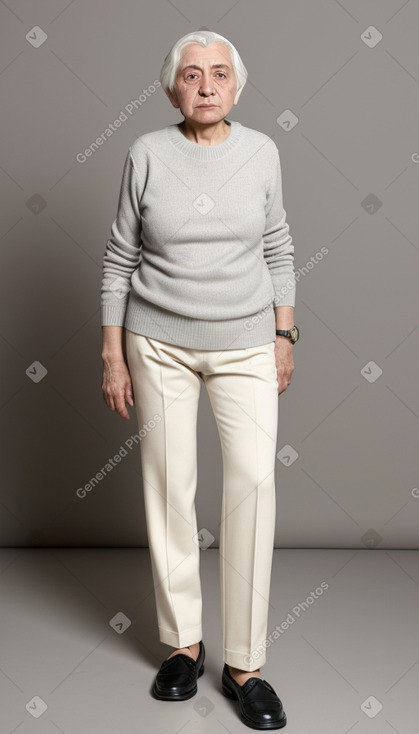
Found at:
(243, 392)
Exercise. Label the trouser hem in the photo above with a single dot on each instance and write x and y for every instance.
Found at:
(244, 661)
(181, 639)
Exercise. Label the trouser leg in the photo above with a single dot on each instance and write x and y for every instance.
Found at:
(243, 390)
(166, 391)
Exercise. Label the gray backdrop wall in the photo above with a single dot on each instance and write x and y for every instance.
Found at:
(335, 84)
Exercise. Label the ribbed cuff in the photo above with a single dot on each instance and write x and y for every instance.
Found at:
(284, 292)
(112, 315)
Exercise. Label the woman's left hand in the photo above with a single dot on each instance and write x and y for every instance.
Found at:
(284, 359)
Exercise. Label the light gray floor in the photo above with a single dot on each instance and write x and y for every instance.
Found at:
(346, 652)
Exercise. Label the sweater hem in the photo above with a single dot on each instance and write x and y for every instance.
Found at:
(151, 320)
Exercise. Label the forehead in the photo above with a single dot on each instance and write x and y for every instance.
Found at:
(215, 53)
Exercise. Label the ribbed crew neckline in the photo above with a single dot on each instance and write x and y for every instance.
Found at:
(205, 152)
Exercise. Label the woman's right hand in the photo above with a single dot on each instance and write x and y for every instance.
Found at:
(117, 386)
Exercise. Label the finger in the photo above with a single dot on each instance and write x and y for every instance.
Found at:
(110, 399)
(106, 398)
(129, 397)
(121, 407)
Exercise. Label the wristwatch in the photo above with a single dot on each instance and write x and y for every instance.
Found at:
(293, 333)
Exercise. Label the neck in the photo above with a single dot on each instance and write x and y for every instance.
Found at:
(212, 134)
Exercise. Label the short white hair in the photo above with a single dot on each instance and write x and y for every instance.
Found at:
(171, 62)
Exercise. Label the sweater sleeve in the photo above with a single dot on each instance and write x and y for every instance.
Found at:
(123, 250)
(278, 249)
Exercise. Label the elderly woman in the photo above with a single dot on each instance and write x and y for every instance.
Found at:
(199, 271)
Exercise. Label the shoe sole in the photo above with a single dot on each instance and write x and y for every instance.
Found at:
(180, 696)
(269, 725)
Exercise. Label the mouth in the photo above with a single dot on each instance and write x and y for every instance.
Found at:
(206, 106)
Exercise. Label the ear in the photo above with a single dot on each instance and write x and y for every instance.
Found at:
(173, 98)
(236, 98)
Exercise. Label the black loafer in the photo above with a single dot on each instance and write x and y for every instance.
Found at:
(259, 706)
(178, 675)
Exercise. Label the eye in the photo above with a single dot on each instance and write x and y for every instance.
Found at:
(193, 74)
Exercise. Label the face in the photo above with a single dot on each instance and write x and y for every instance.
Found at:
(205, 77)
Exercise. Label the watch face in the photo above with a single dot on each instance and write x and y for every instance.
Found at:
(295, 334)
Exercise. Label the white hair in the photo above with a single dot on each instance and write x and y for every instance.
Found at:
(171, 62)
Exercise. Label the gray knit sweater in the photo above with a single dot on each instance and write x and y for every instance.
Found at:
(200, 249)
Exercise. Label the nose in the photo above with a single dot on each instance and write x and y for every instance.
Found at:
(206, 86)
